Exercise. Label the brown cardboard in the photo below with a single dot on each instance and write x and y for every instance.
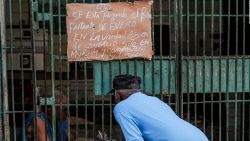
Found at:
(108, 31)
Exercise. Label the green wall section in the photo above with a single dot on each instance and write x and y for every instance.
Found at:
(159, 75)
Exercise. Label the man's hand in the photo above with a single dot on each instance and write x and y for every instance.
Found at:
(102, 136)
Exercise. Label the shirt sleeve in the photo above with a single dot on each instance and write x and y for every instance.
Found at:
(129, 128)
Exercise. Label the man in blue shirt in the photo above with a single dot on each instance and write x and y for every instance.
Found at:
(143, 117)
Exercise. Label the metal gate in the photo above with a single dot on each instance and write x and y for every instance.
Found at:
(201, 67)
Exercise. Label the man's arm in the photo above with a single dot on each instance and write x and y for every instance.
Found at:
(129, 128)
(42, 135)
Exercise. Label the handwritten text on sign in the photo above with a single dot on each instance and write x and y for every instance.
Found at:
(109, 31)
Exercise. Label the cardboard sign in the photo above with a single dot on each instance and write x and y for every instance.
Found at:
(108, 31)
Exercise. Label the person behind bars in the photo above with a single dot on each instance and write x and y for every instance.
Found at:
(142, 117)
(44, 122)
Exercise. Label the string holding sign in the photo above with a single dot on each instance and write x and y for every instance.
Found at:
(108, 31)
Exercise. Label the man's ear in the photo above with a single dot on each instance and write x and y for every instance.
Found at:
(117, 97)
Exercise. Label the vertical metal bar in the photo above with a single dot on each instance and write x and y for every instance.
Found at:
(94, 118)
(179, 58)
(236, 72)
(103, 117)
(96, 105)
(33, 68)
(170, 50)
(141, 71)
(76, 98)
(176, 31)
(4, 72)
(94, 109)
(153, 58)
(102, 97)
(203, 62)
(188, 60)
(195, 62)
(220, 42)
(212, 71)
(243, 72)
(228, 47)
(103, 104)
(111, 102)
(68, 98)
(60, 62)
(170, 46)
(135, 66)
(110, 98)
(45, 62)
(76, 133)
(170, 24)
(135, 60)
(86, 99)
(22, 73)
(161, 82)
(52, 69)
(12, 73)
